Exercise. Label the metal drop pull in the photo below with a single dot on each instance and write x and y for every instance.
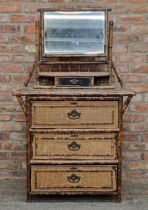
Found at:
(74, 146)
(74, 114)
(73, 178)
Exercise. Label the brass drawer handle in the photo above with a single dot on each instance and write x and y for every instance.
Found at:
(74, 146)
(74, 114)
(73, 178)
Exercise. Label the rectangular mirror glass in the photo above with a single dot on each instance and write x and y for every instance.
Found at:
(74, 33)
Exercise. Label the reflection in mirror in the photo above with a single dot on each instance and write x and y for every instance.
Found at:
(74, 33)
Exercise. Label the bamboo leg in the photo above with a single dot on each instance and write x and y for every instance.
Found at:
(21, 102)
(126, 103)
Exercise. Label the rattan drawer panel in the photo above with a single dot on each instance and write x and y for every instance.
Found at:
(83, 146)
(86, 114)
(55, 178)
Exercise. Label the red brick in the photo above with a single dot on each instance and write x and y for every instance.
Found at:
(18, 118)
(139, 107)
(6, 88)
(12, 68)
(23, 165)
(132, 78)
(140, 88)
(131, 155)
(131, 58)
(5, 97)
(144, 37)
(120, 28)
(136, 147)
(22, 39)
(130, 137)
(3, 38)
(131, 18)
(104, 1)
(4, 18)
(3, 155)
(4, 136)
(137, 98)
(145, 175)
(128, 38)
(5, 78)
(120, 48)
(145, 137)
(56, 1)
(139, 48)
(142, 127)
(145, 156)
(139, 8)
(30, 28)
(119, 9)
(4, 117)
(10, 29)
(15, 146)
(141, 69)
(7, 126)
(28, 68)
(5, 145)
(140, 29)
(11, 48)
(19, 1)
(134, 118)
(22, 59)
(23, 18)
(5, 58)
(19, 78)
(33, 7)
(18, 155)
(10, 8)
(138, 166)
(132, 175)
(134, 1)
(122, 68)
(9, 107)
(30, 48)
(8, 164)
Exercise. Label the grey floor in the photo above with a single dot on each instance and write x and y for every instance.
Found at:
(13, 197)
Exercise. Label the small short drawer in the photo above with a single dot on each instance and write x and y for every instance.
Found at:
(76, 145)
(78, 178)
(74, 81)
(82, 114)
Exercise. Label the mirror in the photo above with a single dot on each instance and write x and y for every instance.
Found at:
(74, 33)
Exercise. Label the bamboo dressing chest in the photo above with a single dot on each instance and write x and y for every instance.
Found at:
(74, 113)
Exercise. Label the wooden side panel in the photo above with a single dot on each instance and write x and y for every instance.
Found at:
(83, 146)
(86, 114)
(73, 178)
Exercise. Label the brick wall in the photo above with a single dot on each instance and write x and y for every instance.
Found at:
(17, 47)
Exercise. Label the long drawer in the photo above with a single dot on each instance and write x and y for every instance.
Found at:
(75, 145)
(85, 114)
(98, 178)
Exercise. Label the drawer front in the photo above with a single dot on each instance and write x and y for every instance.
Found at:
(86, 114)
(74, 81)
(73, 178)
(68, 146)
